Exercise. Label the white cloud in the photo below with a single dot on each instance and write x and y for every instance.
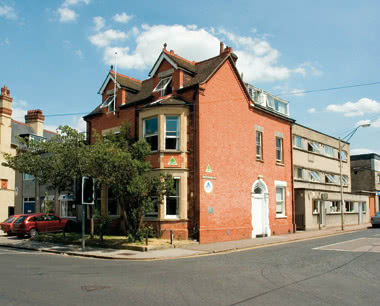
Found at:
(18, 114)
(258, 60)
(49, 127)
(99, 23)
(79, 124)
(103, 39)
(68, 3)
(66, 15)
(8, 12)
(311, 110)
(5, 42)
(122, 18)
(353, 109)
(79, 53)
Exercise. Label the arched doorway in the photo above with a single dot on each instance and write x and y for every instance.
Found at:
(260, 211)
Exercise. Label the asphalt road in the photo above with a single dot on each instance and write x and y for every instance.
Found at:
(289, 274)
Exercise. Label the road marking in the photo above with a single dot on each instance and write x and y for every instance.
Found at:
(328, 245)
(365, 244)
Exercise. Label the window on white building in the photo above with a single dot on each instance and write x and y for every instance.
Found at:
(298, 142)
(299, 173)
(329, 178)
(350, 206)
(150, 132)
(172, 133)
(314, 176)
(332, 206)
(329, 151)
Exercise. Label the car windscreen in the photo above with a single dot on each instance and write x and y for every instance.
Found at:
(21, 219)
(10, 219)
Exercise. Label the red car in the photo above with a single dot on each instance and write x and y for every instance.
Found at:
(34, 224)
(7, 225)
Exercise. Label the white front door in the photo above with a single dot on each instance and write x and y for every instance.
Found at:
(258, 215)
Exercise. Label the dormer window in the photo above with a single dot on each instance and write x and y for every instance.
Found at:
(109, 103)
(164, 86)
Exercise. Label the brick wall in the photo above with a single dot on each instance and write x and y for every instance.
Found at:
(227, 142)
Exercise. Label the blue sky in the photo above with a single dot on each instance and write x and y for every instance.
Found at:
(55, 54)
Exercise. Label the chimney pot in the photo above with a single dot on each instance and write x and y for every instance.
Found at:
(221, 47)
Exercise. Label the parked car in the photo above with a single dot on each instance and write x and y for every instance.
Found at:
(34, 224)
(375, 220)
(7, 225)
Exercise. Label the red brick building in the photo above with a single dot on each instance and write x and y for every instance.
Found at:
(230, 154)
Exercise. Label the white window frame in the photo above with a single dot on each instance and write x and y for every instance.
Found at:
(315, 176)
(295, 144)
(178, 132)
(178, 197)
(330, 178)
(152, 135)
(64, 208)
(110, 100)
(328, 151)
(270, 102)
(333, 207)
(296, 169)
(259, 145)
(162, 84)
(345, 180)
(281, 150)
(281, 185)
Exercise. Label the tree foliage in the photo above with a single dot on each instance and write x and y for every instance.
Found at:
(115, 160)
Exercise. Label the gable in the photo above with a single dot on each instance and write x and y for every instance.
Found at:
(162, 58)
(108, 79)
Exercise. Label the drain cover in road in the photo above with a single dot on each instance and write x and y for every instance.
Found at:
(356, 245)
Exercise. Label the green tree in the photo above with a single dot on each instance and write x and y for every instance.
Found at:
(116, 160)
(119, 162)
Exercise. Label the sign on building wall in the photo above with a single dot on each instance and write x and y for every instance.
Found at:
(208, 186)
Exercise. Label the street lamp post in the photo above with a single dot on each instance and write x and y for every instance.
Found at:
(348, 136)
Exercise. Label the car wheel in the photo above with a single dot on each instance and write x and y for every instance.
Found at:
(20, 235)
(33, 233)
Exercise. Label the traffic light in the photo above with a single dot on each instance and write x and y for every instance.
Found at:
(87, 190)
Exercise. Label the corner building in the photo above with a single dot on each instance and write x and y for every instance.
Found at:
(231, 157)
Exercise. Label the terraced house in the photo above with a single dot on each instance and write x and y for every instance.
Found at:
(229, 153)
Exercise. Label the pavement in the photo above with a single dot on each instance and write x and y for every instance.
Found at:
(182, 251)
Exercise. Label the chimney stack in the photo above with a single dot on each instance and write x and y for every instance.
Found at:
(5, 117)
(221, 47)
(35, 119)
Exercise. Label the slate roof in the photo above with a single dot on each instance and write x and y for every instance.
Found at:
(128, 82)
(19, 128)
(169, 100)
(201, 72)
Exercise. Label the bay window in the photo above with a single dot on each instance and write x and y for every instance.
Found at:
(172, 202)
(172, 133)
(150, 132)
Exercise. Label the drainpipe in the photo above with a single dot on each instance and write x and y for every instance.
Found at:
(292, 174)
(196, 193)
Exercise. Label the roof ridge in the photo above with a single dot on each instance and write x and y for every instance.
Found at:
(179, 57)
(125, 76)
(19, 122)
(211, 58)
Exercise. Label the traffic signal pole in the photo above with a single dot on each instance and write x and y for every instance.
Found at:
(83, 226)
